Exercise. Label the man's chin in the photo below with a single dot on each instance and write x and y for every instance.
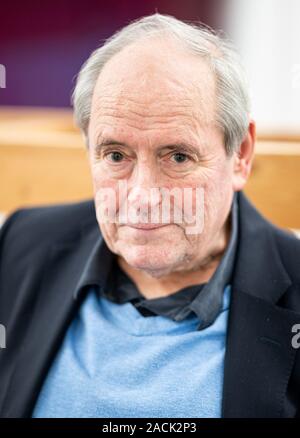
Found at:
(155, 261)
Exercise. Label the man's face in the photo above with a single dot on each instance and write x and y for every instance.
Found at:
(153, 126)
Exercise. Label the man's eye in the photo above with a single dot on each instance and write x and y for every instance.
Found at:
(116, 156)
(180, 157)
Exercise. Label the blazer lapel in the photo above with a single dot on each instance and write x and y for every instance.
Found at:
(259, 358)
(259, 355)
(51, 316)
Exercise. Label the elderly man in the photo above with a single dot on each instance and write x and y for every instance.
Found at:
(190, 315)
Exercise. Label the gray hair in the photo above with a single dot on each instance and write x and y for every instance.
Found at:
(231, 85)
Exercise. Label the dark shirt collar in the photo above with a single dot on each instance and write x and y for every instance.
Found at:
(204, 300)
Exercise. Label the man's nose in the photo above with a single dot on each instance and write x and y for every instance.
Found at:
(144, 188)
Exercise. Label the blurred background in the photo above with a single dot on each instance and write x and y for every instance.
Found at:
(44, 43)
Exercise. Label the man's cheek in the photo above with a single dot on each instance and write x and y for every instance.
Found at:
(110, 234)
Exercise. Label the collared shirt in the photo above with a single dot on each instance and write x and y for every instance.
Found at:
(204, 300)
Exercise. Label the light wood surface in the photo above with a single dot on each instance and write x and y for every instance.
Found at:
(43, 160)
(274, 184)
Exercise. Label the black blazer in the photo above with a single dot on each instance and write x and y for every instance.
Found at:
(42, 252)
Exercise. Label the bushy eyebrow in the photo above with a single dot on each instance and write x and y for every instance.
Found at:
(101, 144)
(176, 147)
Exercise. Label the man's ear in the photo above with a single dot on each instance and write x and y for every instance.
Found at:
(243, 159)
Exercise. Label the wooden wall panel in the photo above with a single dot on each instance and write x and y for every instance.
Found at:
(43, 160)
(274, 184)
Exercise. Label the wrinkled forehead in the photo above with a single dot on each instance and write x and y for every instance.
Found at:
(155, 80)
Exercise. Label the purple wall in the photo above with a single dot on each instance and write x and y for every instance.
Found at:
(44, 43)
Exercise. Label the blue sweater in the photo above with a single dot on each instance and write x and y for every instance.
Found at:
(114, 362)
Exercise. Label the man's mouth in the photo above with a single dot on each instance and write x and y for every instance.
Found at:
(141, 226)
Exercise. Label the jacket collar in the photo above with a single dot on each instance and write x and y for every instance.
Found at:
(259, 271)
